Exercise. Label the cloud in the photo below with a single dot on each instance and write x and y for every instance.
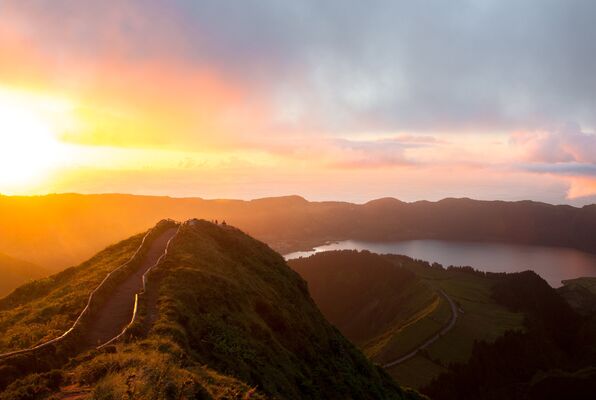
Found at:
(345, 65)
(310, 83)
(378, 153)
(567, 152)
(567, 144)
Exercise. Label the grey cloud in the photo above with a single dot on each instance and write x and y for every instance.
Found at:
(413, 65)
(376, 65)
(566, 169)
(376, 153)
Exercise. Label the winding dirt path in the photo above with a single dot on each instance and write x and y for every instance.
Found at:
(434, 338)
(117, 312)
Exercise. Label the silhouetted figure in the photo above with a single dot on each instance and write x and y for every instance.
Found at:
(223, 223)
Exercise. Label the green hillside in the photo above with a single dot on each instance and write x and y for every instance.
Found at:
(15, 273)
(553, 358)
(382, 308)
(481, 318)
(225, 319)
(389, 305)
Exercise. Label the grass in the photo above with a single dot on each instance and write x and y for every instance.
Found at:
(233, 322)
(417, 372)
(44, 309)
(147, 369)
(409, 333)
(482, 319)
(236, 306)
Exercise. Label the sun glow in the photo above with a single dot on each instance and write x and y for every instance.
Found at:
(29, 147)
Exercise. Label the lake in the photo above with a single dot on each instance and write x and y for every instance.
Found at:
(554, 264)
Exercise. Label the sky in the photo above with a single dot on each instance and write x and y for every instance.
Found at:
(331, 100)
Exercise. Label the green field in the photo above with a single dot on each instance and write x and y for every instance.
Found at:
(407, 334)
(480, 318)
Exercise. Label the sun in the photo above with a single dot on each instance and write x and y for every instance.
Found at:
(29, 148)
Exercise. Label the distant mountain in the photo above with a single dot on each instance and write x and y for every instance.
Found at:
(62, 230)
(229, 320)
(15, 272)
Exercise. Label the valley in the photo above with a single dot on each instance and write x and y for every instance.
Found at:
(479, 317)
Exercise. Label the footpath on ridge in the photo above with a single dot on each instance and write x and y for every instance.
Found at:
(117, 311)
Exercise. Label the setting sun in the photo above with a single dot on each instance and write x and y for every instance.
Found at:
(29, 147)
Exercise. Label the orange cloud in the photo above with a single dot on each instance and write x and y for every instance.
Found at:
(581, 187)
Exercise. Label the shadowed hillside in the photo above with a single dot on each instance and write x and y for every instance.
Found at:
(61, 230)
(552, 359)
(515, 337)
(224, 317)
(390, 305)
(366, 296)
(16, 272)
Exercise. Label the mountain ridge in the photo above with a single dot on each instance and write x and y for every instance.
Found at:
(61, 230)
(229, 313)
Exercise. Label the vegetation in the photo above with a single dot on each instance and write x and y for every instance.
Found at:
(384, 309)
(233, 322)
(44, 309)
(515, 336)
(550, 359)
(393, 302)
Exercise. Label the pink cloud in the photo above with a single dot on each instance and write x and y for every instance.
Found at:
(567, 144)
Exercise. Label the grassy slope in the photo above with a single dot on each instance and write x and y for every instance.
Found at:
(383, 309)
(528, 364)
(234, 322)
(15, 273)
(482, 319)
(45, 308)
(241, 310)
(360, 282)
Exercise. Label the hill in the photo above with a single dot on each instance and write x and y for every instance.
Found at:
(396, 303)
(16, 272)
(371, 300)
(223, 317)
(552, 359)
(45, 308)
(62, 230)
(580, 293)
(515, 337)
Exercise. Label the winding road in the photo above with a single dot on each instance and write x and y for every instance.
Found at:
(434, 338)
(117, 311)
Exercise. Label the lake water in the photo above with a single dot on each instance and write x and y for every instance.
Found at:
(554, 264)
